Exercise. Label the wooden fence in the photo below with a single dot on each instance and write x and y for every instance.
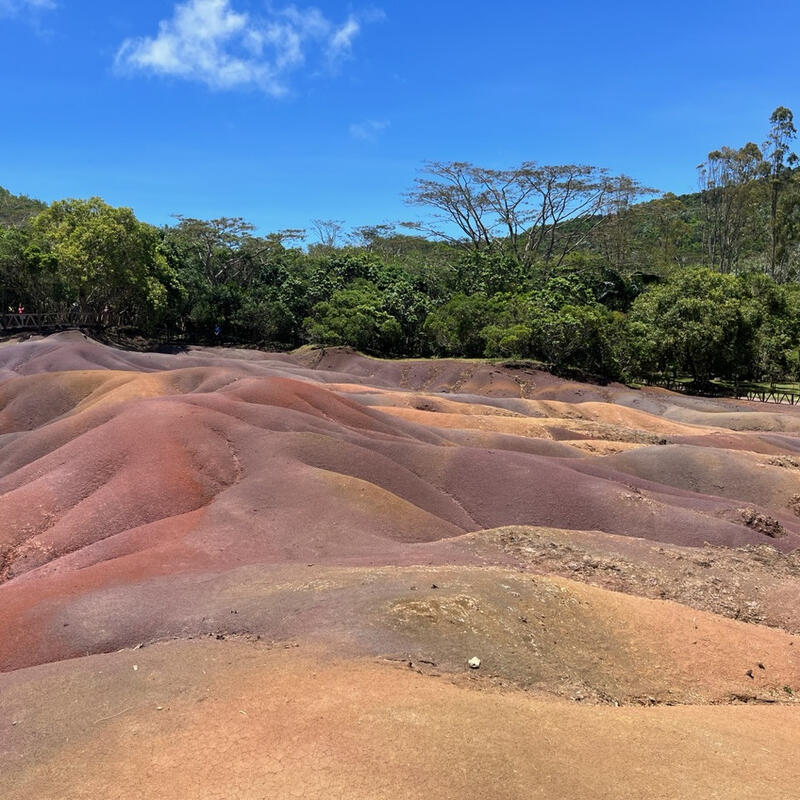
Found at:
(782, 396)
(743, 392)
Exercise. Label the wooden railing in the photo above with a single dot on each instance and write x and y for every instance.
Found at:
(744, 392)
(56, 320)
(769, 396)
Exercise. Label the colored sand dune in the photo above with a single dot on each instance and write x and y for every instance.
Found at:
(307, 549)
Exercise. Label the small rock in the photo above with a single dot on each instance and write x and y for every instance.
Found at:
(474, 663)
(135, 667)
(749, 673)
(763, 523)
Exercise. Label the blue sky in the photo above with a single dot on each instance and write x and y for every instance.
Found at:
(282, 113)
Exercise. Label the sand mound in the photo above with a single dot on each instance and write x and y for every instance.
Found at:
(289, 469)
(225, 719)
(592, 545)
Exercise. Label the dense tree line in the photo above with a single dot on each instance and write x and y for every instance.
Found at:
(565, 264)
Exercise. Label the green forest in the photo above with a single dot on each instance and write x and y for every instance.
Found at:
(568, 265)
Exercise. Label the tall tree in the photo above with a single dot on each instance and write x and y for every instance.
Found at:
(567, 201)
(533, 212)
(730, 183)
(221, 249)
(616, 233)
(329, 232)
(780, 162)
(455, 190)
(102, 256)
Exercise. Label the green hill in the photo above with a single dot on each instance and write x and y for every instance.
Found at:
(17, 209)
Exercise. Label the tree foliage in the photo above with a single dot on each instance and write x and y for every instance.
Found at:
(564, 264)
(100, 256)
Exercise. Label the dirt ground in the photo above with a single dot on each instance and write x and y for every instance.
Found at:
(233, 574)
(235, 720)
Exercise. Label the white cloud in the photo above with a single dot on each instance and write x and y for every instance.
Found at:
(211, 42)
(369, 129)
(12, 8)
(341, 42)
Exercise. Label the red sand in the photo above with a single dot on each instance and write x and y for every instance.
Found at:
(289, 469)
(147, 497)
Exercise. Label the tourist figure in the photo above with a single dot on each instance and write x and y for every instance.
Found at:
(21, 309)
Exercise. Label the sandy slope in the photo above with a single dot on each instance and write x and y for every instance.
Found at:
(230, 720)
(600, 549)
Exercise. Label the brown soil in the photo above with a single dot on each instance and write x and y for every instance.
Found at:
(230, 720)
(606, 554)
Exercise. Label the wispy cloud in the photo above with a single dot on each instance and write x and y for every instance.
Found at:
(369, 129)
(211, 42)
(13, 8)
(340, 44)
